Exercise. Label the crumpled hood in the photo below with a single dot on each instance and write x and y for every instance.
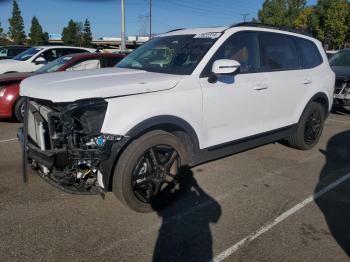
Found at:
(102, 83)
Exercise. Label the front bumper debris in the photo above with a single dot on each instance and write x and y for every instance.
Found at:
(342, 92)
(66, 148)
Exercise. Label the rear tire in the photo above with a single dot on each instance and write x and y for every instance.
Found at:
(309, 129)
(137, 175)
(19, 109)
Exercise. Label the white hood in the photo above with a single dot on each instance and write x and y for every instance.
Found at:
(102, 83)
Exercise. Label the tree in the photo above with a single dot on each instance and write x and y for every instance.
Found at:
(280, 12)
(336, 24)
(37, 36)
(307, 21)
(16, 30)
(273, 12)
(294, 8)
(72, 34)
(87, 35)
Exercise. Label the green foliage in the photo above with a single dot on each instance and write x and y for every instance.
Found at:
(335, 23)
(328, 20)
(273, 12)
(280, 12)
(16, 30)
(307, 21)
(87, 34)
(37, 36)
(72, 34)
(294, 7)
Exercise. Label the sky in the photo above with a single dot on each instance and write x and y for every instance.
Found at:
(105, 15)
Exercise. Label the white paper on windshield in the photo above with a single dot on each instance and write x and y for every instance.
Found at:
(211, 35)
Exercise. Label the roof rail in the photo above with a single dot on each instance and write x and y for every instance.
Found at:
(177, 29)
(284, 28)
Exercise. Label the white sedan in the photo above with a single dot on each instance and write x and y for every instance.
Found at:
(35, 57)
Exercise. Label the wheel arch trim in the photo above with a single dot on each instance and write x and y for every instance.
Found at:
(164, 121)
(320, 96)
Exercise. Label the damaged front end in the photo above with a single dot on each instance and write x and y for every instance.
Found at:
(65, 144)
(342, 92)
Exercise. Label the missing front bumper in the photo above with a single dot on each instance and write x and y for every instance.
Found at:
(72, 160)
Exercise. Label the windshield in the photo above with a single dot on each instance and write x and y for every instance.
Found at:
(179, 54)
(27, 54)
(340, 59)
(54, 65)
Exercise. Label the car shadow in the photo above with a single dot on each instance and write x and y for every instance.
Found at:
(185, 233)
(335, 204)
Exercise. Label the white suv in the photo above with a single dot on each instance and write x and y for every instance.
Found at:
(36, 57)
(183, 98)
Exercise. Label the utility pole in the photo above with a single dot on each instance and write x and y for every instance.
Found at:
(150, 18)
(245, 16)
(122, 47)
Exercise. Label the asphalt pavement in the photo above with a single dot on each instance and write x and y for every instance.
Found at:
(272, 203)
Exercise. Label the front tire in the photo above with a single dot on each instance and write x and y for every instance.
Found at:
(19, 109)
(310, 127)
(148, 167)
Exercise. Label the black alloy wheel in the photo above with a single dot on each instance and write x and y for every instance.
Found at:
(155, 170)
(312, 127)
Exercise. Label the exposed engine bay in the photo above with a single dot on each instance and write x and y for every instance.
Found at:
(342, 92)
(65, 143)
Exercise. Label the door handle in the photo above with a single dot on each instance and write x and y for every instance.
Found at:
(307, 81)
(259, 87)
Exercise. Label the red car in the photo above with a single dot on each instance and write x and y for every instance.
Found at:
(11, 104)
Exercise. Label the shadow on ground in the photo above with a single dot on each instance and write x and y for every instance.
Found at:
(185, 231)
(341, 111)
(335, 204)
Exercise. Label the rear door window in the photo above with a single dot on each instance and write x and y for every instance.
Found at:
(279, 52)
(310, 56)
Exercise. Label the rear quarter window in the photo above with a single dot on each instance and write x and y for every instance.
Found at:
(279, 52)
(310, 56)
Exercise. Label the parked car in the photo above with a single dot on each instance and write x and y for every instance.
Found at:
(10, 51)
(331, 53)
(340, 64)
(12, 105)
(214, 92)
(36, 57)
